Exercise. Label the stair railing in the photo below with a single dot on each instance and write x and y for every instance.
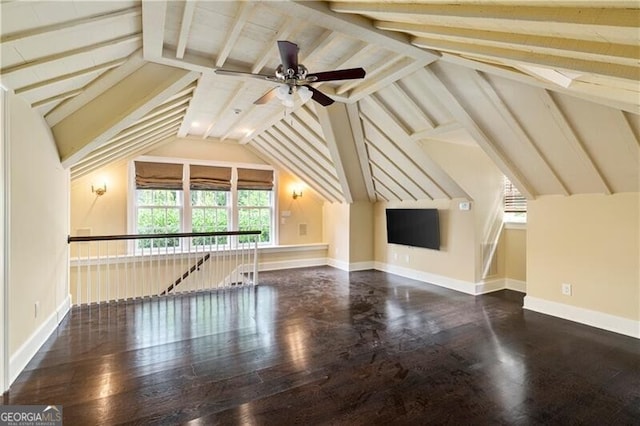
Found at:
(127, 267)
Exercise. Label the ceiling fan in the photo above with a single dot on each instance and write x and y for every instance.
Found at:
(295, 78)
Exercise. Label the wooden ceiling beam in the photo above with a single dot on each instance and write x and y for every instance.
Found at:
(105, 116)
(357, 27)
(306, 132)
(462, 116)
(511, 121)
(74, 24)
(185, 27)
(230, 101)
(129, 139)
(245, 9)
(386, 122)
(408, 104)
(306, 154)
(386, 78)
(168, 116)
(110, 153)
(390, 156)
(154, 14)
(384, 192)
(353, 112)
(531, 57)
(623, 54)
(287, 28)
(436, 131)
(626, 100)
(330, 188)
(94, 89)
(292, 168)
(391, 183)
(403, 178)
(97, 68)
(308, 147)
(625, 17)
(89, 49)
(574, 141)
(134, 151)
(56, 98)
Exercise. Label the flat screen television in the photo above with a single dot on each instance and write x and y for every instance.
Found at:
(414, 227)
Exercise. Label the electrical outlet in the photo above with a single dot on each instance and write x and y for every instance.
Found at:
(406, 258)
(566, 289)
(395, 256)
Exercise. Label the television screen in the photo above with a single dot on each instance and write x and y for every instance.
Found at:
(414, 227)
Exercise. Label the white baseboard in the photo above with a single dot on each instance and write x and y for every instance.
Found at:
(597, 319)
(489, 286)
(350, 267)
(23, 355)
(439, 280)
(290, 264)
(515, 285)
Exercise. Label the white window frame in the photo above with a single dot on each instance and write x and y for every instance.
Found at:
(512, 217)
(186, 211)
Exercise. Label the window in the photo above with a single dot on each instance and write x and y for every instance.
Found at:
(185, 197)
(254, 212)
(515, 204)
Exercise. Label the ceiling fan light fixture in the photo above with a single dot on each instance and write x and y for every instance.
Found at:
(285, 94)
(304, 93)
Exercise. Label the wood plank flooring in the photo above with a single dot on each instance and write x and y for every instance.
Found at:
(321, 346)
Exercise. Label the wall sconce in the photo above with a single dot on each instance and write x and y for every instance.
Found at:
(99, 190)
(297, 193)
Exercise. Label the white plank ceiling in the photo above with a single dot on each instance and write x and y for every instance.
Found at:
(550, 90)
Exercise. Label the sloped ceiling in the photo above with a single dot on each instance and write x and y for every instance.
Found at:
(549, 90)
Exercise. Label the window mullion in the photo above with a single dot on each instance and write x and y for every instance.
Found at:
(234, 216)
(186, 210)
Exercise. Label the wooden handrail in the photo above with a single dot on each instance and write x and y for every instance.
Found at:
(71, 239)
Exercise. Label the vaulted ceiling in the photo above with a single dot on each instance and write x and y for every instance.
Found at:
(549, 90)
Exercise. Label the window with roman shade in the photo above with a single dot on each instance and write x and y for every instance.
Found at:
(158, 201)
(181, 196)
(210, 178)
(158, 175)
(210, 201)
(255, 179)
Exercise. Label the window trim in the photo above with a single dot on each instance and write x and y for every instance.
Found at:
(186, 207)
(509, 216)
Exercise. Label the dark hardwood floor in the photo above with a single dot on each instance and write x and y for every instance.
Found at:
(322, 346)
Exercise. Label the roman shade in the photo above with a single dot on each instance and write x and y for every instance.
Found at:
(255, 179)
(158, 175)
(210, 178)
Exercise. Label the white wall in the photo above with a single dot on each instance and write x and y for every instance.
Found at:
(593, 243)
(39, 226)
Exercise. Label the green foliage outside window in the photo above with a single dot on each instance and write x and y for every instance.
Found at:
(158, 213)
(210, 213)
(254, 214)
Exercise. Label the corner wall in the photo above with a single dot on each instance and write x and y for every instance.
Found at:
(39, 225)
(593, 243)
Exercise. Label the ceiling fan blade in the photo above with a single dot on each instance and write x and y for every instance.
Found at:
(320, 97)
(288, 55)
(244, 74)
(348, 74)
(266, 97)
